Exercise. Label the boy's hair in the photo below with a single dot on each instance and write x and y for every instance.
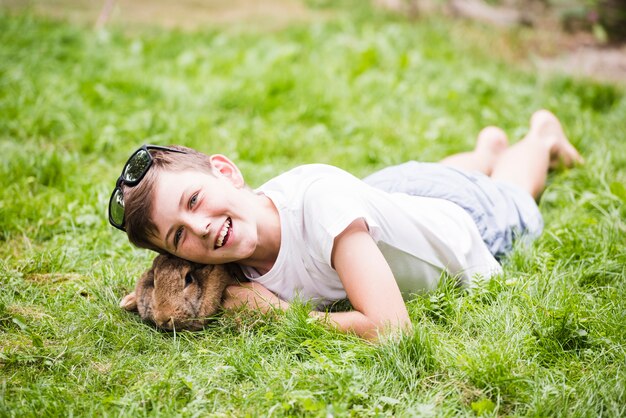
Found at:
(139, 200)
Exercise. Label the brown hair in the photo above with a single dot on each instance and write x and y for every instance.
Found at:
(138, 200)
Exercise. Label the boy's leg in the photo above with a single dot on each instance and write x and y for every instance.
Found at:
(527, 162)
(492, 141)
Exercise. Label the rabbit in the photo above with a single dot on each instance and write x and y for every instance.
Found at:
(176, 294)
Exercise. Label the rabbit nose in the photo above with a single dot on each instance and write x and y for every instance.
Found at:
(165, 322)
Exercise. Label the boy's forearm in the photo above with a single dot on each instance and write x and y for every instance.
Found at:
(252, 295)
(360, 324)
(256, 296)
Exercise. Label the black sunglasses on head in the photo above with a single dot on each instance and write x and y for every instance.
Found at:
(134, 170)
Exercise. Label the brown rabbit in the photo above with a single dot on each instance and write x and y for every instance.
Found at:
(176, 294)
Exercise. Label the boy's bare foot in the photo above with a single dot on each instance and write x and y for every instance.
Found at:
(491, 140)
(546, 127)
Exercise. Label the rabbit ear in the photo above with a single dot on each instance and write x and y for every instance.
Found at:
(129, 302)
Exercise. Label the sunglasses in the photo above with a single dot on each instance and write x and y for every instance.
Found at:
(133, 172)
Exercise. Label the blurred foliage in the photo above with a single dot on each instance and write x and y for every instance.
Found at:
(606, 19)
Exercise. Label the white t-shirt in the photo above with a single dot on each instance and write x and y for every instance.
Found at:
(418, 236)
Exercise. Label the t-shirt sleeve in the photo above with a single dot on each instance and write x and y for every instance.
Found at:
(329, 207)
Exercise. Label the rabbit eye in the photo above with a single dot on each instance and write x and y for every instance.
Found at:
(188, 279)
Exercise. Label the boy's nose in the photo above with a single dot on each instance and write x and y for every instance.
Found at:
(200, 227)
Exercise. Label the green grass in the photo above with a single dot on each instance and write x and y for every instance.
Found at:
(359, 91)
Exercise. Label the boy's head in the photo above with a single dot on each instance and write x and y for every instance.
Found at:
(138, 200)
(195, 206)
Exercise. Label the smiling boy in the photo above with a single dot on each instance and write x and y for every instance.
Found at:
(320, 234)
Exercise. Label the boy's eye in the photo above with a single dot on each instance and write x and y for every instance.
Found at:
(177, 235)
(193, 200)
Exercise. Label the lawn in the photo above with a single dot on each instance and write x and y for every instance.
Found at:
(357, 89)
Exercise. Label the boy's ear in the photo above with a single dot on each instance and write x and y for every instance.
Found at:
(225, 167)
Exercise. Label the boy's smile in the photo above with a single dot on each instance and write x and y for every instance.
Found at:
(224, 234)
(214, 219)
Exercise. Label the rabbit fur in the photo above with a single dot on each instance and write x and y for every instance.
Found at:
(176, 294)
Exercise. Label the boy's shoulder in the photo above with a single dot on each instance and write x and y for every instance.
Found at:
(315, 170)
(295, 187)
(305, 175)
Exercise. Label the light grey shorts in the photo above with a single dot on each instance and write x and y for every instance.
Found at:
(502, 211)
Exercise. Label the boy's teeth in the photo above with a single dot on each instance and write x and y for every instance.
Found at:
(223, 232)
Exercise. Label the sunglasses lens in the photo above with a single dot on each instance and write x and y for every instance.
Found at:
(116, 207)
(136, 167)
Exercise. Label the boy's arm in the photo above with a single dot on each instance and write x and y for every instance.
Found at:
(253, 295)
(366, 277)
(369, 283)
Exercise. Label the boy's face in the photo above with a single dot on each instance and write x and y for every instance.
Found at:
(208, 219)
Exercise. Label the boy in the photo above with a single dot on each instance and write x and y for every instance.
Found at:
(318, 233)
